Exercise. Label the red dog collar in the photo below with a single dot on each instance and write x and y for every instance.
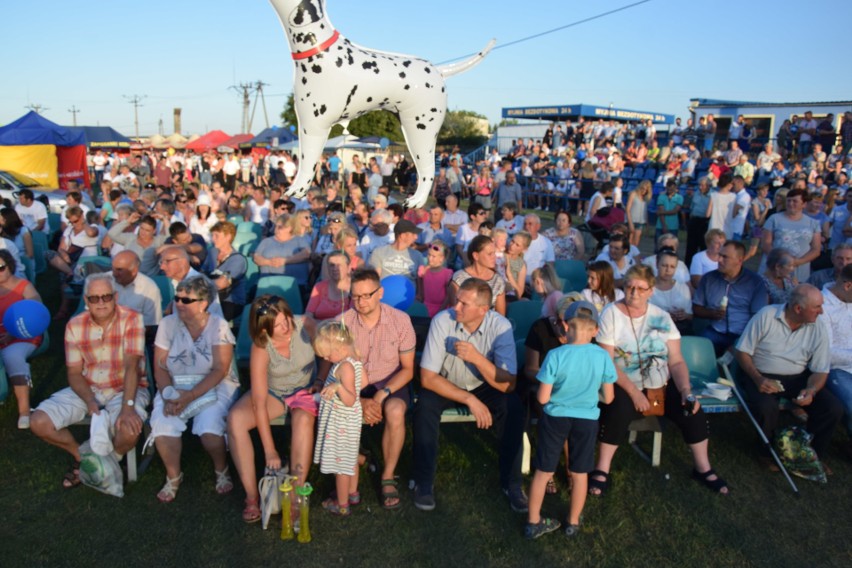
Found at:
(318, 49)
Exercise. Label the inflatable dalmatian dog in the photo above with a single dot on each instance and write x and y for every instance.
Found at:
(337, 81)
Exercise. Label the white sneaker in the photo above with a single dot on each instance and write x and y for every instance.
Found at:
(24, 422)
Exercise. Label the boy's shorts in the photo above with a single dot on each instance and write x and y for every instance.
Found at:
(553, 431)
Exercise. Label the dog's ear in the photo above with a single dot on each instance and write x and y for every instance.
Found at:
(306, 13)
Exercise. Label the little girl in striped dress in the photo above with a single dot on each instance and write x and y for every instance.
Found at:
(339, 433)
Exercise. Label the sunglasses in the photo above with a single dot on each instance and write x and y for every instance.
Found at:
(436, 248)
(335, 220)
(2, 267)
(186, 300)
(268, 305)
(105, 298)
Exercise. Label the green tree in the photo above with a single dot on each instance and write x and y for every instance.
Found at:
(464, 128)
(378, 123)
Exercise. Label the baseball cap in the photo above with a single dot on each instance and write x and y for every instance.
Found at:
(581, 309)
(405, 226)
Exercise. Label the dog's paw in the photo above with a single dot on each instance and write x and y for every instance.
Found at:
(416, 201)
(296, 192)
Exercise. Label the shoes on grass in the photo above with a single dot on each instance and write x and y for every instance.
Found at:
(541, 528)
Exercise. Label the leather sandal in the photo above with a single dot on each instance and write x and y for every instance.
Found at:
(71, 479)
(601, 485)
(169, 491)
(390, 499)
(251, 513)
(715, 485)
(223, 482)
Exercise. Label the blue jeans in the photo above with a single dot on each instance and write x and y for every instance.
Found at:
(840, 384)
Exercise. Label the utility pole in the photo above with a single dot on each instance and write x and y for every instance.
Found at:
(258, 93)
(136, 101)
(36, 107)
(245, 89)
(74, 110)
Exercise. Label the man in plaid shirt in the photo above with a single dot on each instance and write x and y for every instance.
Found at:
(105, 358)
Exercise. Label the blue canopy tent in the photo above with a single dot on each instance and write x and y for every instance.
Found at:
(102, 136)
(267, 138)
(32, 129)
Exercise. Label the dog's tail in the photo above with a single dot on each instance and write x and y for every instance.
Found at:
(462, 66)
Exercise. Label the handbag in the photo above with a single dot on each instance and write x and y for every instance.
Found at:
(268, 488)
(188, 382)
(657, 398)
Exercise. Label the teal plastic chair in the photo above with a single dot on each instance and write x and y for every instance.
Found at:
(417, 310)
(29, 268)
(246, 242)
(284, 286)
(243, 348)
(39, 248)
(54, 222)
(523, 315)
(700, 358)
(102, 261)
(236, 219)
(573, 275)
(4, 384)
(41, 349)
(167, 293)
(252, 277)
(250, 227)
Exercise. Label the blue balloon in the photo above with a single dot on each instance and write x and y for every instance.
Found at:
(26, 319)
(384, 143)
(399, 292)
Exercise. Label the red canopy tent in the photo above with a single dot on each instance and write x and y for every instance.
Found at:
(235, 141)
(209, 141)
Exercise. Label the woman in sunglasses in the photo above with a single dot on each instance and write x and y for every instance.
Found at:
(282, 370)
(196, 379)
(14, 352)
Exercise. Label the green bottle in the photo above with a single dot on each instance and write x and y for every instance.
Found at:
(304, 492)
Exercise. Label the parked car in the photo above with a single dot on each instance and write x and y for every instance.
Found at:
(54, 199)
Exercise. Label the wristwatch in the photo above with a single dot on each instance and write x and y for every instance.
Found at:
(387, 391)
(131, 403)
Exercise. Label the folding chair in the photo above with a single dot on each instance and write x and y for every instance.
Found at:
(284, 286)
(573, 275)
(523, 315)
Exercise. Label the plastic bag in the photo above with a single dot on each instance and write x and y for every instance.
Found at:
(101, 472)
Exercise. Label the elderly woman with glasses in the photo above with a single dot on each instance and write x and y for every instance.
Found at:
(288, 251)
(78, 240)
(196, 379)
(653, 377)
(282, 373)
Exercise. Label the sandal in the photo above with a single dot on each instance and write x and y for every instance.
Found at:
(333, 507)
(354, 498)
(223, 482)
(71, 479)
(715, 485)
(599, 486)
(390, 499)
(551, 488)
(169, 491)
(251, 514)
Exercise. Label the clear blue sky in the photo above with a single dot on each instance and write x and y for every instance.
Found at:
(186, 53)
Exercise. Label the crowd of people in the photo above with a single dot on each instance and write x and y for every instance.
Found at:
(598, 357)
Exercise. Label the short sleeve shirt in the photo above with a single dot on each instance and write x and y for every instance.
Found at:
(379, 347)
(493, 338)
(188, 356)
(576, 373)
(393, 262)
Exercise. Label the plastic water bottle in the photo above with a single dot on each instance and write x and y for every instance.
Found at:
(286, 520)
(723, 305)
(304, 492)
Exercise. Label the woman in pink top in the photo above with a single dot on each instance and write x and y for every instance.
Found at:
(330, 298)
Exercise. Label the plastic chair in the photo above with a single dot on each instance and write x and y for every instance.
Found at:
(39, 248)
(523, 315)
(29, 268)
(54, 222)
(243, 347)
(284, 286)
(573, 275)
(417, 310)
(250, 227)
(246, 238)
(700, 358)
(236, 219)
(167, 293)
(252, 277)
(41, 349)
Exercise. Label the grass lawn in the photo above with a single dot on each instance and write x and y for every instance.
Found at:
(646, 519)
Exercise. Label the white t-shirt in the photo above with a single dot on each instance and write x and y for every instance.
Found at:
(743, 200)
(259, 213)
(721, 207)
(678, 298)
(701, 264)
(681, 272)
(32, 214)
(539, 252)
(511, 227)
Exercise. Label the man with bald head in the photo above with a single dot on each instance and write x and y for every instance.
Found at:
(784, 352)
(174, 262)
(136, 290)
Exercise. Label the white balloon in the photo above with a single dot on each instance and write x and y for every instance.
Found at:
(337, 81)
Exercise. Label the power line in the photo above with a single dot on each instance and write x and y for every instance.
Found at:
(37, 108)
(560, 28)
(245, 89)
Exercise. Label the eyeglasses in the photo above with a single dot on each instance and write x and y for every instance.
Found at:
(2, 267)
(280, 227)
(436, 248)
(636, 289)
(105, 298)
(335, 220)
(365, 296)
(186, 300)
(74, 221)
(168, 260)
(268, 305)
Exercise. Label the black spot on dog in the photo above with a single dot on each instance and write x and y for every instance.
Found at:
(443, 89)
(407, 87)
(304, 80)
(316, 69)
(349, 98)
(402, 75)
(433, 109)
(421, 126)
(428, 86)
(406, 63)
(369, 99)
(339, 62)
(322, 109)
(304, 67)
(427, 69)
(307, 12)
(311, 39)
(368, 64)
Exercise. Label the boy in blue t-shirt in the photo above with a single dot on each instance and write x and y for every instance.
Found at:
(571, 378)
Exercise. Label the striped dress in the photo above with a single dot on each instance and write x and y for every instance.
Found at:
(339, 433)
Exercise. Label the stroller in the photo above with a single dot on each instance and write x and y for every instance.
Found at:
(599, 226)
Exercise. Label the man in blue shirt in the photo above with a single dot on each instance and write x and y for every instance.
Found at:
(469, 359)
(668, 210)
(729, 296)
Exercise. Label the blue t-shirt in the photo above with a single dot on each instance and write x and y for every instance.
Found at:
(576, 373)
(666, 203)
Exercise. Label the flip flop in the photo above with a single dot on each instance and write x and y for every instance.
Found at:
(389, 496)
